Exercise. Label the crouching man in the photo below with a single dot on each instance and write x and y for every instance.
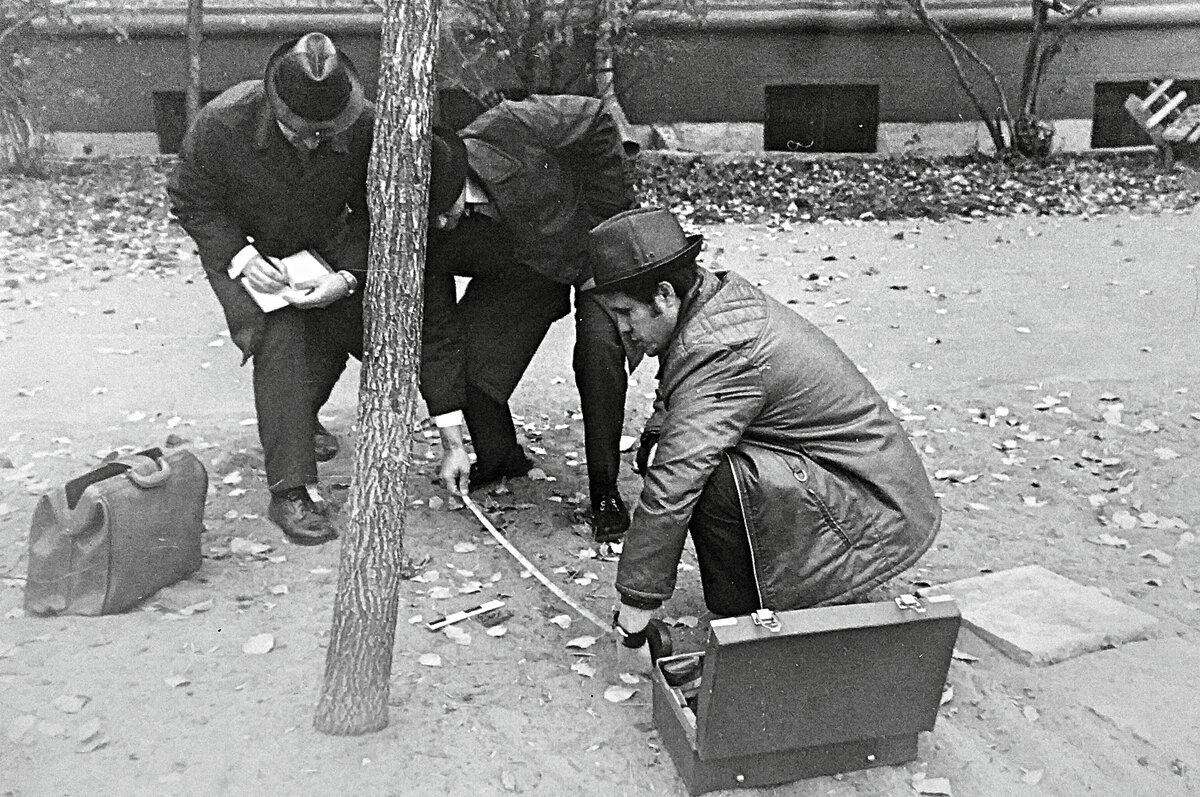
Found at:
(798, 485)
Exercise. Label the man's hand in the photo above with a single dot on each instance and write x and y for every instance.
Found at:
(319, 291)
(645, 452)
(456, 464)
(635, 660)
(456, 470)
(264, 276)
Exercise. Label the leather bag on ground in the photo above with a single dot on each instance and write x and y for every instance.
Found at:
(107, 540)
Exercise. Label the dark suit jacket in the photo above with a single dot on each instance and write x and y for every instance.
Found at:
(553, 167)
(238, 176)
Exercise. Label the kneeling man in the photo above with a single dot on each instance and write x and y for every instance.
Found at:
(798, 485)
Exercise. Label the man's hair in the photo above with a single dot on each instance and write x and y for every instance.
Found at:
(682, 277)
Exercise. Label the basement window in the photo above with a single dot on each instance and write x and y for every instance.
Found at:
(170, 118)
(821, 118)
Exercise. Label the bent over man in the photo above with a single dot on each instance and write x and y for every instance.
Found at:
(797, 484)
(272, 168)
(511, 203)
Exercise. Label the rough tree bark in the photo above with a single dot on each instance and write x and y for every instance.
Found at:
(358, 662)
(195, 38)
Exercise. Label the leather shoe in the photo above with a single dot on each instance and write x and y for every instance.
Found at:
(610, 518)
(483, 474)
(303, 520)
(325, 444)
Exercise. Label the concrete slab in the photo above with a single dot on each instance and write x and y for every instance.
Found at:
(1038, 617)
(1150, 689)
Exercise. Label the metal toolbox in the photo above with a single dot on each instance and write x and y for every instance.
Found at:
(790, 695)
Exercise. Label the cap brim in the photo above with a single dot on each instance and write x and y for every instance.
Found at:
(688, 253)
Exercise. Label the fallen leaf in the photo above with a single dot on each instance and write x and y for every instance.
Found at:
(464, 547)
(1031, 713)
(93, 745)
(618, 694)
(71, 704)
(581, 642)
(440, 593)
(196, 608)
(435, 503)
(233, 477)
(279, 589)
(627, 442)
(430, 660)
(629, 678)
(536, 474)
(1159, 557)
(470, 588)
(1124, 520)
(457, 635)
(583, 668)
(508, 780)
(497, 631)
(1166, 453)
(175, 681)
(1032, 777)
(936, 786)
(1109, 540)
(947, 695)
(958, 655)
(259, 644)
(244, 547)
(563, 621)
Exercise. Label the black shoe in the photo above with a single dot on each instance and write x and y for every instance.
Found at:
(303, 520)
(325, 444)
(610, 518)
(516, 466)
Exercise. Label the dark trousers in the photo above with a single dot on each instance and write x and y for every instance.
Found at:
(298, 359)
(297, 362)
(486, 339)
(600, 375)
(723, 547)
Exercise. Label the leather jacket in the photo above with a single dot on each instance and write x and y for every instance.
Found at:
(745, 377)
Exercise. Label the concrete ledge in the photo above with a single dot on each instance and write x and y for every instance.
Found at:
(104, 145)
(722, 138)
(894, 138)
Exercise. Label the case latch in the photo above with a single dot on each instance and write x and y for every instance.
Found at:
(910, 602)
(766, 619)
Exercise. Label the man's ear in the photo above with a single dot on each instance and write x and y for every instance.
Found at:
(664, 296)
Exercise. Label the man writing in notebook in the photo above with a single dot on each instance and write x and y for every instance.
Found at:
(272, 168)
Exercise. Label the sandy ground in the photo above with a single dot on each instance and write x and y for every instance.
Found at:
(1043, 367)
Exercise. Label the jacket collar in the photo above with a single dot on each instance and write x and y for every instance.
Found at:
(705, 288)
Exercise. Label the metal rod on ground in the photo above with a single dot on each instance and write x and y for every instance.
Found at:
(520, 557)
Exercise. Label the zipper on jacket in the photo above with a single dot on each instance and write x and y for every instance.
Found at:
(746, 528)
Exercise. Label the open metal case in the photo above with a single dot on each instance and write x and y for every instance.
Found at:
(796, 694)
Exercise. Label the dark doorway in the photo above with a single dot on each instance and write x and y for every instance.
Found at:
(170, 118)
(821, 118)
(1112, 126)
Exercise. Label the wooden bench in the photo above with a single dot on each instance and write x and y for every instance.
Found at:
(1169, 123)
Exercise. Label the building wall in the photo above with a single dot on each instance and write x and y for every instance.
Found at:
(720, 76)
(96, 82)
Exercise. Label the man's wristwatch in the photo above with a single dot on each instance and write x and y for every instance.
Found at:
(350, 280)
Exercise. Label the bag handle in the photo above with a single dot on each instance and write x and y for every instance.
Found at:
(154, 478)
(75, 488)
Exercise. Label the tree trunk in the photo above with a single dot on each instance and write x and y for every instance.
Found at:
(358, 663)
(195, 38)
